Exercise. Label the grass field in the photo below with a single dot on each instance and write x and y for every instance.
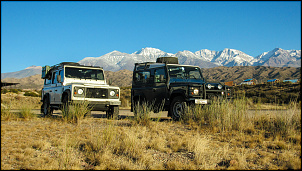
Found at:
(220, 136)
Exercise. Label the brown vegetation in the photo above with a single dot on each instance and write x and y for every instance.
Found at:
(220, 136)
(274, 93)
(260, 73)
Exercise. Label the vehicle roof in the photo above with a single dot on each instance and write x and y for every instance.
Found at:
(72, 64)
(149, 65)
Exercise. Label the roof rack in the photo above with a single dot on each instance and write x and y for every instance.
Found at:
(144, 65)
(69, 63)
(168, 60)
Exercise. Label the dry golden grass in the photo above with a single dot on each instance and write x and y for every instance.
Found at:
(220, 137)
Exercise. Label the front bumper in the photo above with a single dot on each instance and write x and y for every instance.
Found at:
(99, 105)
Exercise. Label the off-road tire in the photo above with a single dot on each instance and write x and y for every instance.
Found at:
(177, 108)
(112, 112)
(47, 110)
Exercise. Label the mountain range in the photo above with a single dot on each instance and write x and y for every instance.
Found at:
(116, 61)
(123, 78)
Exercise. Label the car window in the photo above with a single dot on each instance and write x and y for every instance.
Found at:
(53, 78)
(158, 74)
(184, 72)
(84, 73)
(62, 75)
(47, 81)
(142, 77)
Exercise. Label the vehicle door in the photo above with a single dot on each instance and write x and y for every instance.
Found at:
(148, 86)
(47, 89)
(52, 88)
(159, 90)
(142, 87)
(58, 86)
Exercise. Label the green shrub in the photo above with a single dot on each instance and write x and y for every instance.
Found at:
(26, 112)
(15, 91)
(6, 114)
(4, 91)
(76, 112)
(142, 113)
(32, 94)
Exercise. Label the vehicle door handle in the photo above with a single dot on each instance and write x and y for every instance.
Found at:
(50, 91)
(56, 90)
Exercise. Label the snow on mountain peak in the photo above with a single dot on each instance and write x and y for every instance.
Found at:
(34, 67)
(116, 60)
(147, 51)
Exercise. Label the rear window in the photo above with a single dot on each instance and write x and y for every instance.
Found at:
(142, 77)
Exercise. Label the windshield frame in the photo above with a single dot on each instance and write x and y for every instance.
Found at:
(84, 73)
(183, 73)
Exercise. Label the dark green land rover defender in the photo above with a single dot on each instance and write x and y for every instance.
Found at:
(168, 86)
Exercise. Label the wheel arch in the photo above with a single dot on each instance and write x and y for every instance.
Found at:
(47, 95)
(66, 93)
(177, 94)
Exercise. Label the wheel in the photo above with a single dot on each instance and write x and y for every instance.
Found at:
(113, 112)
(46, 107)
(177, 108)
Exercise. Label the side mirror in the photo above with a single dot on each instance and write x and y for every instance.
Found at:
(110, 81)
(58, 78)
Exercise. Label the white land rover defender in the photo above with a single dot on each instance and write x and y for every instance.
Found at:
(70, 82)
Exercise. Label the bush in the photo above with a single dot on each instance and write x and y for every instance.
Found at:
(26, 112)
(76, 112)
(142, 113)
(32, 94)
(4, 91)
(15, 91)
(6, 114)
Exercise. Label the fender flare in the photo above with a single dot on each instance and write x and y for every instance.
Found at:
(68, 93)
(47, 95)
(177, 93)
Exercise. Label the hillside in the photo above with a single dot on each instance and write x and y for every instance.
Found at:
(240, 73)
(237, 74)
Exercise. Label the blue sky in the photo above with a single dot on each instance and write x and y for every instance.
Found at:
(49, 32)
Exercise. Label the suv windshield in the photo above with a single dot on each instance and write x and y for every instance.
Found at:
(83, 73)
(185, 73)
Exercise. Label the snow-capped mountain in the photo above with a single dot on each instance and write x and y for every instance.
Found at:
(226, 57)
(151, 53)
(115, 60)
(279, 57)
(29, 71)
(205, 58)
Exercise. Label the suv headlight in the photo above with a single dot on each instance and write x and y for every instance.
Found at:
(219, 86)
(112, 93)
(80, 91)
(209, 86)
(196, 91)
